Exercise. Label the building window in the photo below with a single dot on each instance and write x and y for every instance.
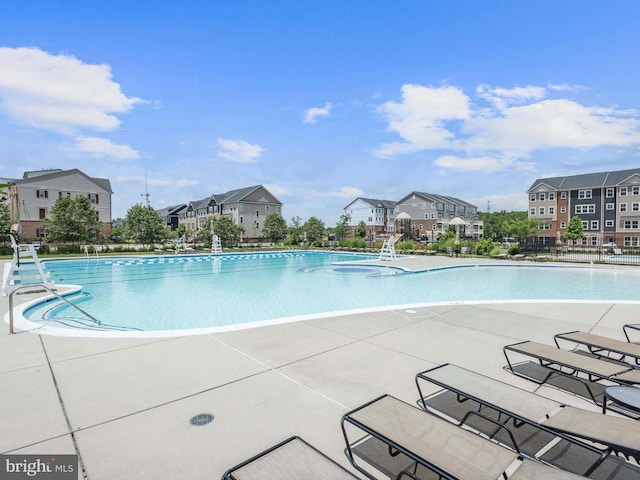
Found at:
(64, 194)
(635, 206)
(40, 232)
(544, 226)
(241, 219)
(563, 209)
(563, 225)
(258, 213)
(608, 223)
(584, 194)
(42, 213)
(623, 207)
(587, 208)
(94, 198)
(595, 225)
(585, 225)
(267, 208)
(426, 216)
(610, 206)
(42, 193)
(563, 195)
(630, 224)
(635, 190)
(532, 197)
(623, 191)
(541, 211)
(541, 197)
(631, 241)
(420, 227)
(552, 211)
(552, 195)
(609, 193)
(532, 211)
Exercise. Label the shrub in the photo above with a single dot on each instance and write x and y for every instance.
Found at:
(408, 245)
(513, 250)
(495, 251)
(485, 246)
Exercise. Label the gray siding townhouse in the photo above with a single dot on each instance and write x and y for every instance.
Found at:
(38, 191)
(431, 213)
(247, 207)
(171, 214)
(378, 216)
(608, 204)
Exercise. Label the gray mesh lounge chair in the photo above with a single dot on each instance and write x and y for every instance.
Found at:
(291, 459)
(602, 346)
(440, 446)
(572, 364)
(522, 407)
(629, 327)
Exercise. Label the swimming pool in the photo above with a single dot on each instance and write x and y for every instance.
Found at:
(164, 294)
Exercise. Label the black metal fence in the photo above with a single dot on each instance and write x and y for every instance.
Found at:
(584, 254)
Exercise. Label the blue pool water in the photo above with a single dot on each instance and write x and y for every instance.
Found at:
(188, 292)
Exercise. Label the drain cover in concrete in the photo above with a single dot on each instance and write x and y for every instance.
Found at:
(201, 419)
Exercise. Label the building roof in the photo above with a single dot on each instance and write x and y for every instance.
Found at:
(172, 210)
(587, 180)
(437, 198)
(374, 202)
(28, 177)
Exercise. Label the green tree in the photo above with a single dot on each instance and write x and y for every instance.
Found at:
(575, 229)
(72, 220)
(228, 232)
(274, 227)
(315, 230)
(294, 231)
(144, 225)
(179, 231)
(5, 222)
(496, 224)
(522, 229)
(342, 226)
(361, 229)
(206, 230)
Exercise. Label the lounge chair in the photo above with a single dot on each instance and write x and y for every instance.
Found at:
(291, 459)
(523, 407)
(440, 446)
(630, 326)
(449, 251)
(464, 251)
(617, 251)
(602, 346)
(572, 364)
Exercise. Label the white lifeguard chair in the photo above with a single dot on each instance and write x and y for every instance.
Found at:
(25, 269)
(216, 247)
(388, 250)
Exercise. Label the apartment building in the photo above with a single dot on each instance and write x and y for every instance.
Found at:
(38, 191)
(430, 215)
(377, 215)
(247, 207)
(607, 203)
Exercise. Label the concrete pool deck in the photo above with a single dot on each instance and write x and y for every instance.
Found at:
(124, 404)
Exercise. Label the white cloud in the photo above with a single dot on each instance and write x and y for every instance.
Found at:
(239, 151)
(157, 182)
(420, 119)
(278, 190)
(517, 122)
(485, 164)
(311, 115)
(345, 192)
(59, 92)
(102, 147)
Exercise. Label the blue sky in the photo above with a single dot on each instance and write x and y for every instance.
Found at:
(320, 101)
